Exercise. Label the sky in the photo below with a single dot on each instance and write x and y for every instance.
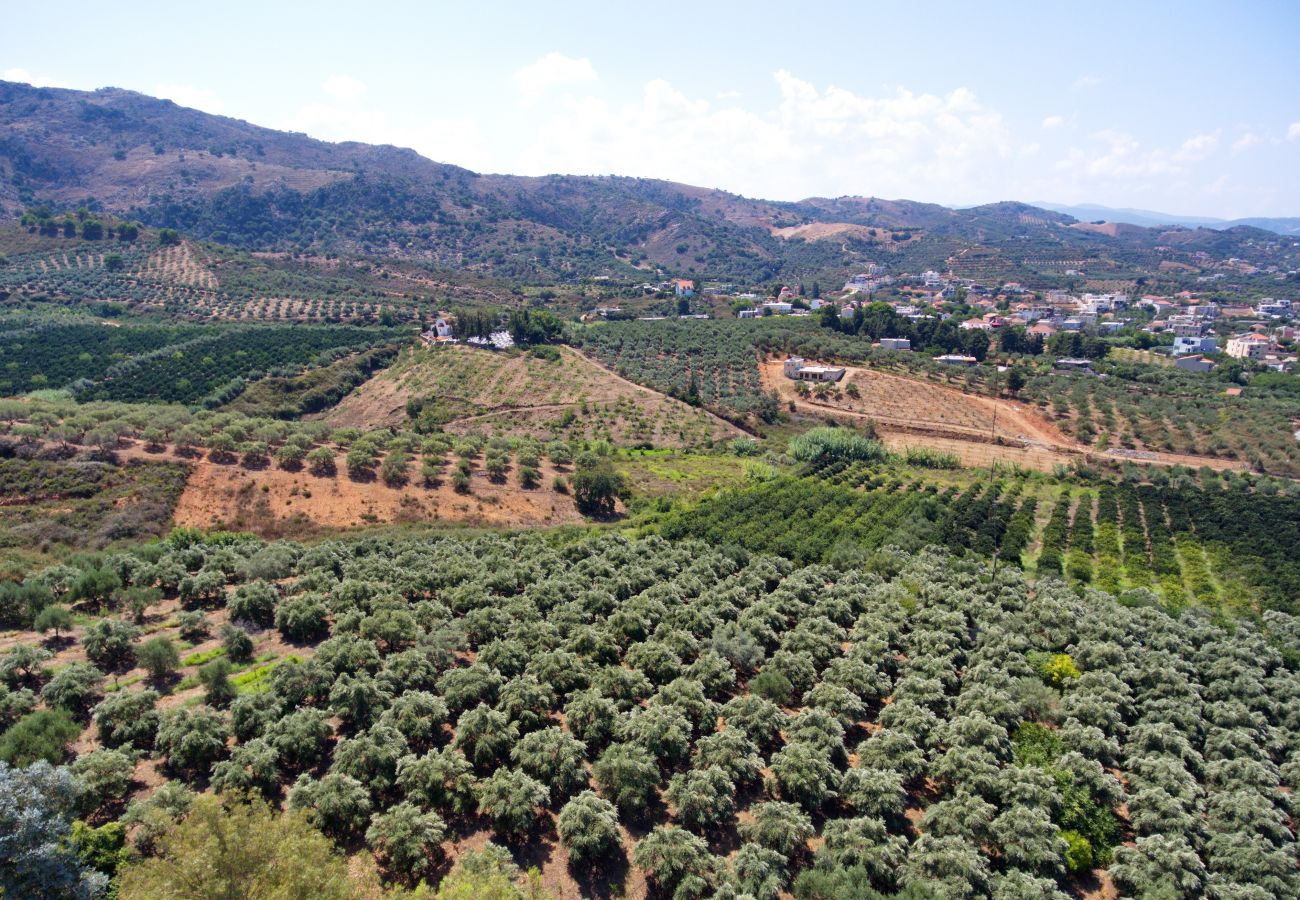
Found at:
(1190, 108)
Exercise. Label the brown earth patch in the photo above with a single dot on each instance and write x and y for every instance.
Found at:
(272, 501)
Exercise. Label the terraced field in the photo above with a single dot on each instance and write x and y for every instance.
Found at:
(518, 394)
(980, 431)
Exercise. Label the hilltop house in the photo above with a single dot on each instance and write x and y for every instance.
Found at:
(797, 368)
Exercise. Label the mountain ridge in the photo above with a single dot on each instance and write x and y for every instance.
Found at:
(256, 188)
(1286, 225)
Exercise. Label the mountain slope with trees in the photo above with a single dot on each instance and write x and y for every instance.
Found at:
(259, 189)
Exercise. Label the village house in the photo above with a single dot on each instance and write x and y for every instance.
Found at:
(1248, 346)
(683, 287)
(1194, 364)
(797, 368)
(1184, 345)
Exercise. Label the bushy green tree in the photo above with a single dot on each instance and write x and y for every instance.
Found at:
(511, 799)
(337, 804)
(192, 740)
(108, 644)
(105, 776)
(41, 735)
(239, 850)
(702, 798)
(588, 828)
(251, 768)
(37, 804)
(158, 657)
(75, 688)
(676, 862)
(485, 736)
(407, 839)
(627, 775)
(553, 757)
(440, 780)
(219, 691)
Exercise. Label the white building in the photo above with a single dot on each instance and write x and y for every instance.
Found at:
(1248, 346)
(797, 368)
(1184, 345)
(895, 344)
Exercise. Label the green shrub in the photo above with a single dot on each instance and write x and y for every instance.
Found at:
(44, 734)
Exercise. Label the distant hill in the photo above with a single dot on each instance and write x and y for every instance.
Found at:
(255, 188)
(1091, 212)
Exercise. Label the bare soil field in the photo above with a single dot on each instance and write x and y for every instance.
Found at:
(273, 502)
(521, 395)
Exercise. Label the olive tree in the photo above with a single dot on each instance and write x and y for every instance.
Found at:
(337, 804)
(127, 719)
(588, 828)
(553, 757)
(407, 839)
(702, 798)
(627, 775)
(511, 799)
(440, 780)
(192, 740)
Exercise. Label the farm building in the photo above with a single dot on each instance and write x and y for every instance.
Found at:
(1072, 364)
(895, 344)
(956, 359)
(798, 369)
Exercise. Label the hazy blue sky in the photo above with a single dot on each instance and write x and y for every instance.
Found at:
(1190, 107)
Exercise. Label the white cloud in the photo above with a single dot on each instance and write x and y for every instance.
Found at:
(554, 69)
(193, 97)
(1121, 158)
(1053, 121)
(1245, 142)
(1197, 147)
(346, 117)
(1293, 133)
(25, 77)
(809, 141)
(1086, 81)
(343, 87)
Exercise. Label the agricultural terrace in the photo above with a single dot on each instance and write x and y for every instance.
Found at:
(275, 477)
(210, 282)
(1133, 412)
(1170, 411)
(643, 718)
(550, 393)
(979, 431)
